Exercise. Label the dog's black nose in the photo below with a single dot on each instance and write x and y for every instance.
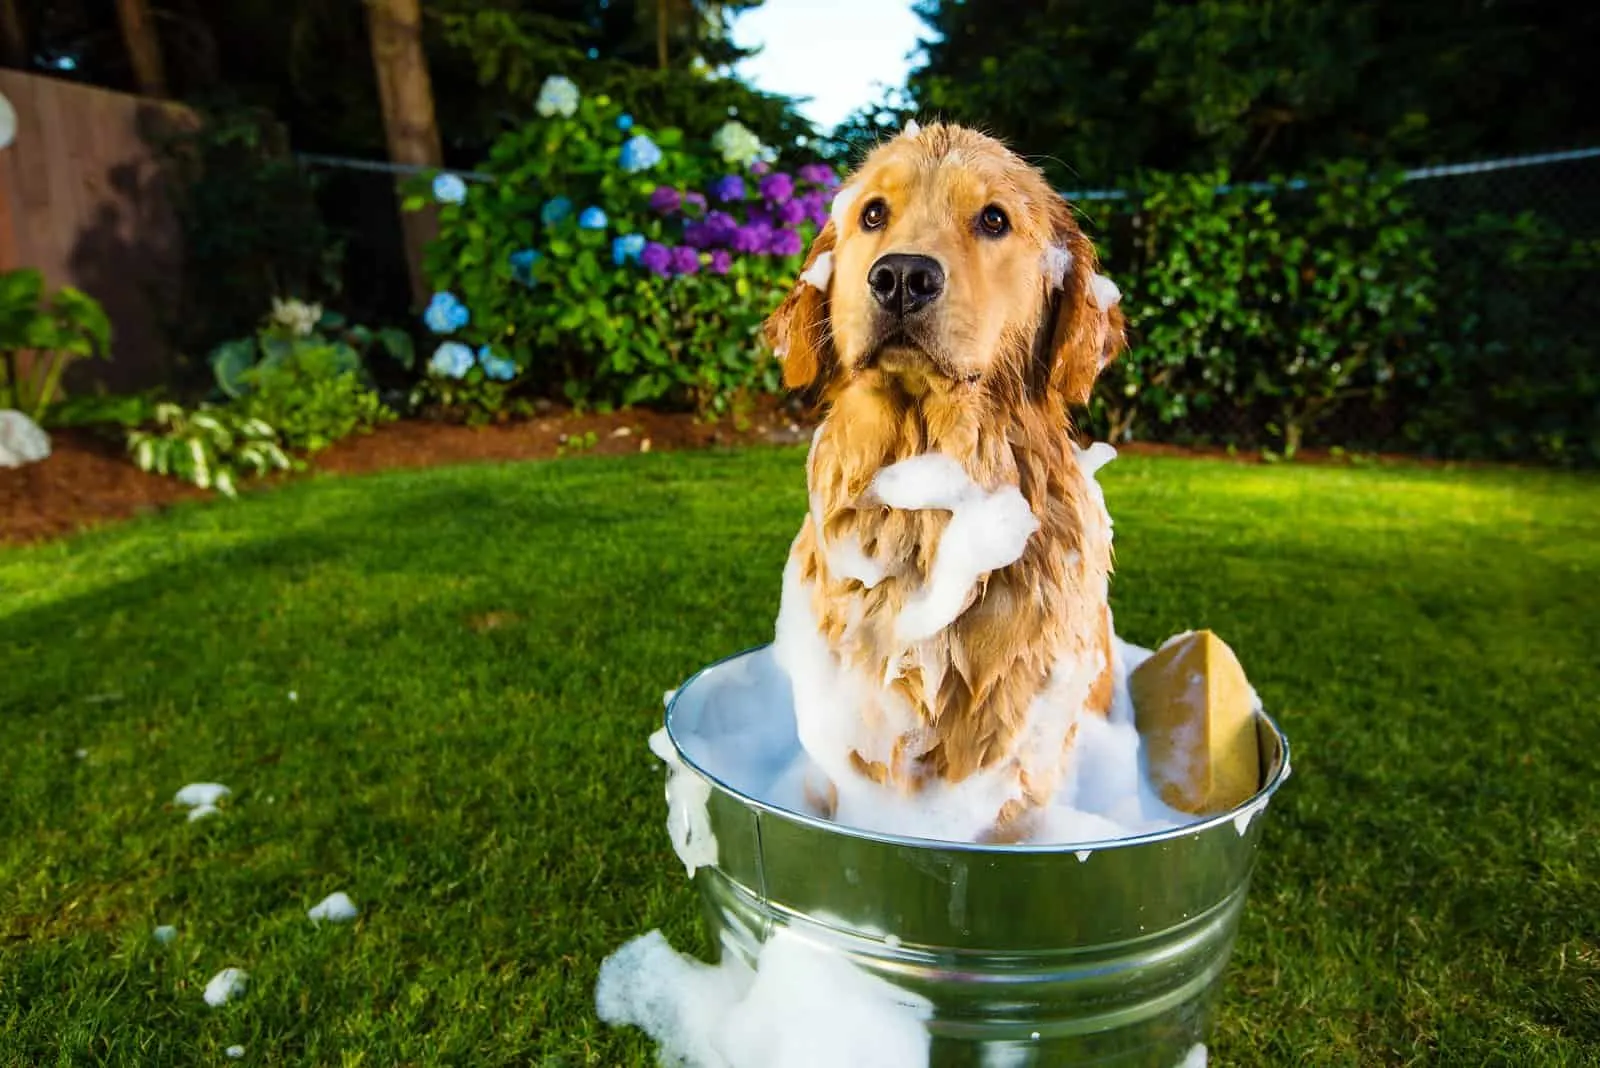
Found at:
(903, 283)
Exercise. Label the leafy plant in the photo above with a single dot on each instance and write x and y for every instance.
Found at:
(294, 326)
(312, 397)
(618, 266)
(54, 330)
(211, 447)
(126, 410)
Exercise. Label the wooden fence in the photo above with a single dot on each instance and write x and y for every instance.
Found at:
(83, 200)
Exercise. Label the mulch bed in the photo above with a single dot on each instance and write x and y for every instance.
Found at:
(88, 479)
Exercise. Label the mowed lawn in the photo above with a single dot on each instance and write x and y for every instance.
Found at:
(432, 690)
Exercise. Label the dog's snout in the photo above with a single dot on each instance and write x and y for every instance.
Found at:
(902, 283)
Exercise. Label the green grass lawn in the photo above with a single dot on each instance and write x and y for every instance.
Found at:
(432, 690)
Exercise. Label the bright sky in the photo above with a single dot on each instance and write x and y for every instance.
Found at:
(837, 52)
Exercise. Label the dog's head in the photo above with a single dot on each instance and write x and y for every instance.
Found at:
(949, 262)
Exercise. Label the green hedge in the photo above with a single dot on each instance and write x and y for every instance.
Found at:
(1333, 311)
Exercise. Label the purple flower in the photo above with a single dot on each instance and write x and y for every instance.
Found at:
(720, 227)
(752, 237)
(759, 215)
(729, 188)
(697, 235)
(694, 203)
(721, 261)
(816, 206)
(685, 260)
(777, 188)
(657, 259)
(791, 212)
(819, 173)
(786, 243)
(760, 167)
(665, 200)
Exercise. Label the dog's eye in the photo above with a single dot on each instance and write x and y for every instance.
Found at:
(874, 215)
(993, 221)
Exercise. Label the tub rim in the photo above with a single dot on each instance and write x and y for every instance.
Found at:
(1252, 806)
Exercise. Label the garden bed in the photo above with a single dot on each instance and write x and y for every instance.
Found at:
(89, 479)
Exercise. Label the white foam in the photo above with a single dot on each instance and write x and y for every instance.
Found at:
(165, 933)
(235, 1053)
(820, 273)
(226, 985)
(1055, 263)
(197, 794)
(1083, 855)
(847, 559)
(1105, 292)
(200, 812)
(335, 908)
(802, 1006)
(988, 530)
(1195, 1058)
(688, 822)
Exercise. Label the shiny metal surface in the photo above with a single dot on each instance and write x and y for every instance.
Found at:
(1029, 954)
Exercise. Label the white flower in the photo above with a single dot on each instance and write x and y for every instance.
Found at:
(737, 144)
(557, 96)
(296, 316)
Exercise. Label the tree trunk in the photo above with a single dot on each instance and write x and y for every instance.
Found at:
(13, 37)
(144, 47)
(406, 94)
(661, 33)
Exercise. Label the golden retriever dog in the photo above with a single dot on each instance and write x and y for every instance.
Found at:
(945, 621)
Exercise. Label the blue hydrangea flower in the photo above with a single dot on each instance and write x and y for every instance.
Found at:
(624, 122)
(557, 96)
(522, 263)
(449, 189)
(451, 360)
(446, 314)
(592, 219)
(496, 368)
(627, 249)
(555, 209)
(639, 153)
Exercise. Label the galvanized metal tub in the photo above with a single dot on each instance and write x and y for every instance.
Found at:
(1107, 953)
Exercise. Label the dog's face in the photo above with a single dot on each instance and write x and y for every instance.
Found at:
(949, 263)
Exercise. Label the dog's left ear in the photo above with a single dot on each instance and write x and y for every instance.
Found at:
(798, 331)
(1083, 328)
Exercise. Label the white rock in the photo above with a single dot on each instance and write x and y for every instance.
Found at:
(335, 908)
(226, 985)
(21, 440)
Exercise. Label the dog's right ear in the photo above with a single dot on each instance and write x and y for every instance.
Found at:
(798, 331)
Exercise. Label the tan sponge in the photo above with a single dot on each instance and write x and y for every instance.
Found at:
(1195, 712)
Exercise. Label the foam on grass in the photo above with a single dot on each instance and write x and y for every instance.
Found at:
(335, 908)
(201, 794)
(165, 933)
(226, 985)
(235, 1053)
(802, 1006)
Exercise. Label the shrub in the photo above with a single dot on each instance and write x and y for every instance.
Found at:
(617, 265)
(305, 374)
(1511, 371)
(1283, 305)
(56, 329)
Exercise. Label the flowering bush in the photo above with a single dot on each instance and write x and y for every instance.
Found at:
(620, 264)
